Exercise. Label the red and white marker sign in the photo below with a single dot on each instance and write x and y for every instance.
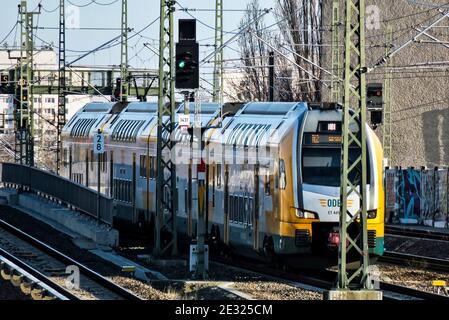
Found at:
(201, 168)
(184, 122)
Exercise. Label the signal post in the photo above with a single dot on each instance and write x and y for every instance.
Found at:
(187, 79)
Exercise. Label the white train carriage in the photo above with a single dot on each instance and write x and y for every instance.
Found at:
(272, 179)
(128, 168)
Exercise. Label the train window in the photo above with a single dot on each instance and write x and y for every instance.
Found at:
(77, 177)
(65, 157)
(241, 210)
(267, 184)
(321, 166)
(246, 212)
(250, 210)
(91, 159)
(213, 186)
(104, 161)
(234, 209)
(143, 166)
(218, 175)
(186, 200)
(282, 175)
(123, 190)
(231, 208)
(153, 167)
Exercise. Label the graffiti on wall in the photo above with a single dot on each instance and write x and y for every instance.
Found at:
(410, 197)
(427, 195)
(417, 196)
(440, 218)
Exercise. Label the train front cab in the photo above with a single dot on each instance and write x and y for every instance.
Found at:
(310, 208)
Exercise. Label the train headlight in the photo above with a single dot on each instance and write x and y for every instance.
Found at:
(302, 214)
(372, 214)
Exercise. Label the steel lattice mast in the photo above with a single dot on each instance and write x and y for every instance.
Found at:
(24, 142)
(386, 136)
(335, 52)
(124, 76)
(61, 83)
(166, 205)
(218, 59)
(354, 168)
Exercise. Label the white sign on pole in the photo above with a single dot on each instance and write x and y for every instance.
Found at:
(98, 143)
(184, 122)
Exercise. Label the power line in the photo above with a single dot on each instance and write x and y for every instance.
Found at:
(92, 2)
(9, 33)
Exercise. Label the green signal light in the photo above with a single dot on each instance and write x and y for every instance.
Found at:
(182, 64)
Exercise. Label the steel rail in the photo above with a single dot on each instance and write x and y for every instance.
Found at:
(33, 278)
(407, 259)
(89, 273)
(324, 279)
(415, 233)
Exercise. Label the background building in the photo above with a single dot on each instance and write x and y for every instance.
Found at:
(420, 75)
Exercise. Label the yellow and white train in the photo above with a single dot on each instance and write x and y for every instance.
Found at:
(273, 173)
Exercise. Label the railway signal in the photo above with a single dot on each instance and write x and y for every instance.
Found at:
(375, 103)
(187, 56)
(187, 72)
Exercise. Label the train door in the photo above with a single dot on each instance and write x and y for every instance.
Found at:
(226, 206)
(255, 208)
(134, 188)
(189, 201)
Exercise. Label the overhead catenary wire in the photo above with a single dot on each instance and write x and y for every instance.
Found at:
(9, 33)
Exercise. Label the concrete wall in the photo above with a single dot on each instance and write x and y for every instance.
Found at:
(420, 111)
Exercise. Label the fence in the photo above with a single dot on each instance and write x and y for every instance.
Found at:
(71, 193)
(417, 196)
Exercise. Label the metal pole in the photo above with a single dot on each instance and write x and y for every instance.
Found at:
(124, 84)
(335, 80)
(354, 168)
(218, 54)
(166, 193)
(198, 130)
(386, 136)
(271, 76)
(200, 272)
(98, 184)
(24, 142)
(61, 84)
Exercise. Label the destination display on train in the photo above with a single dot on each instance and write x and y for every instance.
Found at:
(321, 138)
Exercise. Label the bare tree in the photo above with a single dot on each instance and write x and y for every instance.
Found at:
(295, 41)
(253, 84)
(300, 24)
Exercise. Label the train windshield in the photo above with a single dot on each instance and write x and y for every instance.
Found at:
(321, 166)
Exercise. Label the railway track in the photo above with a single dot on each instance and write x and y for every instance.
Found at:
(413, 260)
(52, 268)
(31, 281)
(324, 280)
(416, 233)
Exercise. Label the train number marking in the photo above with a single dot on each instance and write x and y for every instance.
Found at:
(98, 143)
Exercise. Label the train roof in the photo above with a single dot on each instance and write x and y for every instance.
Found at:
(142, 107)
(271, 108)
